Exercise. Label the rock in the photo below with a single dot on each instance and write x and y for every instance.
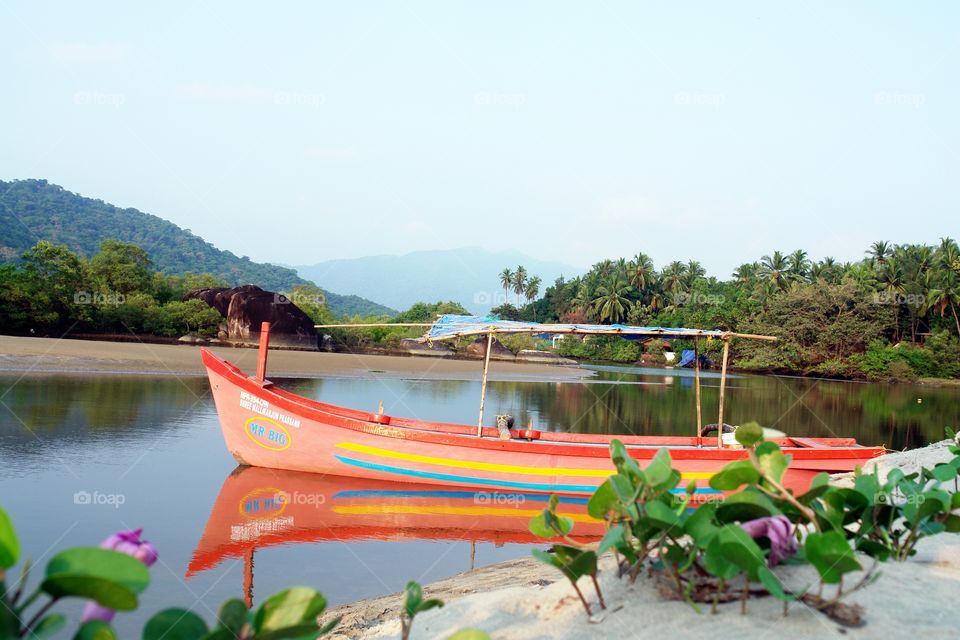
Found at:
(326, 343)
(190, 339)
(543, 357)
(247, 306)
(435, 349)
(478, 349)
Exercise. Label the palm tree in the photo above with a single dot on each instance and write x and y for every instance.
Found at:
(879, 251)
(642, 273)
(746, 273)
(519, 282)
(946, 295)
(799, 264)
(776, 269)
(611, 303)
(532, 290)
(948, 255)
(863, 275)
(695, 270)
(891, 283)
(506, 281)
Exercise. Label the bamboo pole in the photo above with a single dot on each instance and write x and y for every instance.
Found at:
(723, 388)
(483, 383)
(248, 578)
(263, 351)
(696, 384)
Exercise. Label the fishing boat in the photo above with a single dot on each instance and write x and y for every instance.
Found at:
(266, 426)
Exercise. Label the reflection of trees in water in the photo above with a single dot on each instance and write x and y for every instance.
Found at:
(65, 405)
(871, 413)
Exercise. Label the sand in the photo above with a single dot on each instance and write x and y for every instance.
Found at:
(525, 600)
(49, 355)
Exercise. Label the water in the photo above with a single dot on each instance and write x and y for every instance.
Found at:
(82, 456)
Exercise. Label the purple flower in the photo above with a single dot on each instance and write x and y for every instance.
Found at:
(779, 531)
(127, 542)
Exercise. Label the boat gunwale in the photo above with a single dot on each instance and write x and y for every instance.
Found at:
(547, 442)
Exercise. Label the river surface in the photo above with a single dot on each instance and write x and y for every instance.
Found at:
(82, 456)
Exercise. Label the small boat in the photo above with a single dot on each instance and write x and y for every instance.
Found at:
(266, 426)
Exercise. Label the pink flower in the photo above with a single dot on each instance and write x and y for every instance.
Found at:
(127, 542)
(779, 531)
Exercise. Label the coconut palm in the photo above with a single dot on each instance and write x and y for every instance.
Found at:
(946, 295)
(695, 270)
(642, 273)
(799, 264)
(519, 282)
(674, 277)
(532, 290)
(891, 283)
(776, 269)
(879, 251)
(506, 281)
(948, 255)
(611, 303)
(746, 273)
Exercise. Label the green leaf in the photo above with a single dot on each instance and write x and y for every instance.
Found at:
(831, 555)
(602, 501)
(623, 461)
(772, 584)
(944, 472)
(660, 468)
(734, 475)
(540, 525)
(612, 539)
(95, 630)
(294, 606)
(739, 548)
(9, 546)
(772, 461)
(700, 526)
(577, 563)
(175, 624)
(469, 634)
(955, 501)
(745, 506)
(48, 626)
(749, 434)
(111, 578)
(716, 563)
(952, 523)
(818, 486)
(662, 516)
(547, 558)
(233, 615)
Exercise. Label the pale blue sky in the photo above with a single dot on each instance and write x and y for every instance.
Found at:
(297, 133)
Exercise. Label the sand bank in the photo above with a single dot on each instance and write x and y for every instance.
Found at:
(48, 355)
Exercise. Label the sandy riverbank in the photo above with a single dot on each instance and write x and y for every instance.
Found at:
(48, 355)
(525, 600)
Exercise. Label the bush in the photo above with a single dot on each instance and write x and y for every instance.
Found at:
(518, 342)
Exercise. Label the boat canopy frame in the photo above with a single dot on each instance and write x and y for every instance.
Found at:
(450, 327)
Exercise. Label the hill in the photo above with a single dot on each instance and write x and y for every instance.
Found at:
(468, 275)
(32, 210)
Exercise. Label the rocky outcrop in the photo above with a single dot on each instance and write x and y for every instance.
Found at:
(435, 349)
(543, 357)
(478, 349)
(246, 307)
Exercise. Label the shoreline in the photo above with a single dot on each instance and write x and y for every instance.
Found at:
(524, 599)
(51, 356)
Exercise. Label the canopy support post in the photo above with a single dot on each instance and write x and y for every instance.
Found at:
(248, 578)
(262, 353)
(696, 384)
(483, 383)
(723, 388)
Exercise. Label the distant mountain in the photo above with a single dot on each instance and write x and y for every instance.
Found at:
(32, 210)
(469, 275)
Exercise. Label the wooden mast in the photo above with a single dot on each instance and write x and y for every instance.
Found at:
(262, 353)
(696, 384)
(723, 387)
(483, 383)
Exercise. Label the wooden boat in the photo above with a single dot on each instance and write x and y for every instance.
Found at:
(266, 426)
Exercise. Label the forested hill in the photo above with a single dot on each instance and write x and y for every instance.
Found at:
(32, 210)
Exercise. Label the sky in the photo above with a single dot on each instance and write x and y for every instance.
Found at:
(301, 132)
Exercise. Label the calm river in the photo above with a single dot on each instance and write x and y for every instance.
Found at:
(82, 456)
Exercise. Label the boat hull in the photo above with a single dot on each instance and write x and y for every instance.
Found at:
(265, 426)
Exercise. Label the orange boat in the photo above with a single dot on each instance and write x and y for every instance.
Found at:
(265, 426)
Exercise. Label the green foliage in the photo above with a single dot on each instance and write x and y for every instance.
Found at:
(600, 348)
(700, 553)
(83, 226)
(413, 604)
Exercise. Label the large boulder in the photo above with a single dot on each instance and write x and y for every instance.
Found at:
(478, 349)
(245, 307)
(433, 349)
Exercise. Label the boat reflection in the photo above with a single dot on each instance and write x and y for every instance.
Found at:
(259, 508)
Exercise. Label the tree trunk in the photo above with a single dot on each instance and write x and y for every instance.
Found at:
(955, 318)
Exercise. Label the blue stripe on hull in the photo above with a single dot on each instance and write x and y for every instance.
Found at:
(532, 486)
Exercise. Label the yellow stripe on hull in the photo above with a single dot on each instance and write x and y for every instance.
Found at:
(501, 468)
(363, 510)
